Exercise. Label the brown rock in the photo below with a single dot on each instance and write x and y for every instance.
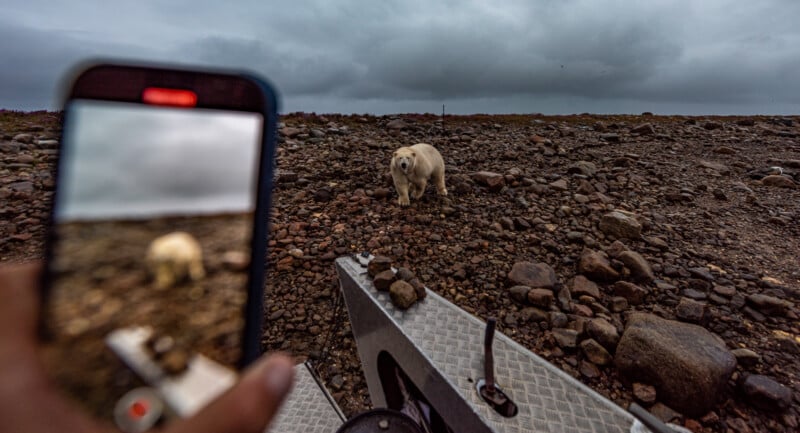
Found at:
(585, 168)
(765, 393)
(589, 370)
(633, 293)
(614, 138)
(538, 139)
(640, 268)
(595, 352)
(519, 293)
(583, 286)
(616, 248)
(534, 315)
(727, 291)
(769, 305)
(596, 266)
(419, 288)
(746, 357)
(381, 193)
(565, 299)
(720, 168)
(379, 264)
(688, 365)
(582, 310)
(725, 150)
(644, 394)
(644, 129)
(541, 297)
(565, 338)
(396, 124)
(690, 310)
(604, 333)
(558, 319)
(531, 274)
(405, 274)
(495, 181)
(618, 304)
(24, 138)
(620, 225)
(559, 185)
(384, 280)
(402, 294)
(779, 181)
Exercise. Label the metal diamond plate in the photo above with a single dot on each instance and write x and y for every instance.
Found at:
(308, 408)
(450, 345)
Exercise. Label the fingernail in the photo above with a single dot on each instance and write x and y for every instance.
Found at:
(279, 374)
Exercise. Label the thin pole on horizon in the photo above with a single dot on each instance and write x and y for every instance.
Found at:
(443, 130)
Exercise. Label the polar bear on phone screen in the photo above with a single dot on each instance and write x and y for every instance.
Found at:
(174, 258)
(411, 169)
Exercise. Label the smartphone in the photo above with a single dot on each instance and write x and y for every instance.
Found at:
(156, 255)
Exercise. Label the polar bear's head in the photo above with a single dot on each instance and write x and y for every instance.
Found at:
(404, 159)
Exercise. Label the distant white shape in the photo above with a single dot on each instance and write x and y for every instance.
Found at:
(175, 257)
(130, 161)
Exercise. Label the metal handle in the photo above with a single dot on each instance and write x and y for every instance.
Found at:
(487, 388)
(488, 357)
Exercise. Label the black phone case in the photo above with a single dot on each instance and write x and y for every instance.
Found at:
(216, 89)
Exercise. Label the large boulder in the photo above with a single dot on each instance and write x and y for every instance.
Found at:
(688, 365)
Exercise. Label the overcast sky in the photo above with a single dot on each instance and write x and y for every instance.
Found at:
(392, 56)
(126, 163)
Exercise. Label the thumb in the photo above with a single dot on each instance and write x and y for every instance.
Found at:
(247, 407)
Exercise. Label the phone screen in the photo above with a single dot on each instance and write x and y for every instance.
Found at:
(153, 222)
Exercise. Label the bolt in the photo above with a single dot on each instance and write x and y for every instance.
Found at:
(383, 424)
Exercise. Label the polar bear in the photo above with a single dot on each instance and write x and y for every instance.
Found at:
(173, 258)
(411, 169)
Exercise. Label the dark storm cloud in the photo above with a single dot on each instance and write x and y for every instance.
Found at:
(548, 56)
(32, 63)
(35, 63)
(741, 72)
(457, 63)
(295, 73)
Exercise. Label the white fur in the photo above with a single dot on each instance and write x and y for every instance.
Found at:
(411, 169)
(173, 258)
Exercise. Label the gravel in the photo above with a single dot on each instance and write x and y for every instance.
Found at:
(687, 195)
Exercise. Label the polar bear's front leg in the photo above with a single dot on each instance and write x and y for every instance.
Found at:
(196, 271)
(165, 275)
(438, 179)
(401, 185)
(419, 189)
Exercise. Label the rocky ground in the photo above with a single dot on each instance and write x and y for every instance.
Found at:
(562, 227)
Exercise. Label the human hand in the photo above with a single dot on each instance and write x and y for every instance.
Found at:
(30, 403)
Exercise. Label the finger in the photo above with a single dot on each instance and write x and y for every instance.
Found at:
(26, 394)
(250, 405)
(19, 302)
